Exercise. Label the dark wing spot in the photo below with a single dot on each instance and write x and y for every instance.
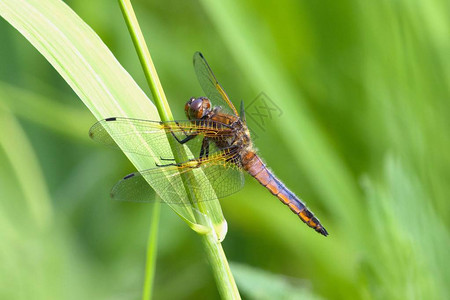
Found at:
(129, 176)
(111, 119)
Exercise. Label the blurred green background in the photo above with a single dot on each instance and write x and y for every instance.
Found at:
(364, 91)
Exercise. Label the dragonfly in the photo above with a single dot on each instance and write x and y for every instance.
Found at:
(219, 145)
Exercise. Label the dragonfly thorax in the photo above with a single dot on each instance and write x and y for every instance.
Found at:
(197, 108)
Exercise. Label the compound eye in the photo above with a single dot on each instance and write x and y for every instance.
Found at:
(187, 107)
(196, 105)
(194, 108)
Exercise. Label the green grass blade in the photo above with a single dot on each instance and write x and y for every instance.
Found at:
(51, 114)
(26, 169)
(256, 283)
(415, 258)
(87, 65)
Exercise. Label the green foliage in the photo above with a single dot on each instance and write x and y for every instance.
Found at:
(363, 139)
(260, 284)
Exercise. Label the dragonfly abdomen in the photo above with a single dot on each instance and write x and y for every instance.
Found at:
(256, 167)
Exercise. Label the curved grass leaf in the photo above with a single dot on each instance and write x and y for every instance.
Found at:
(25, 168)
(93, 72)
(260, 284)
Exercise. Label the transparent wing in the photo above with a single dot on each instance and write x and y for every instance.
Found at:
(211, 86)
(212, 178)
(149, 138)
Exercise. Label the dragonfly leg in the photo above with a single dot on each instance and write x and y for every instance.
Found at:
(186, 139)
(170, 159)
(204, 151)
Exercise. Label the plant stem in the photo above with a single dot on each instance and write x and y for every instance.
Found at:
(151, 253)
(221, 269)
(146, 61)
(216, 256)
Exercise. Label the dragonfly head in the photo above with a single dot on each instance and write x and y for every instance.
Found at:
(197, 108)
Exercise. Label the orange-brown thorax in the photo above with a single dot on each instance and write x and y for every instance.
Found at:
(233, 134)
